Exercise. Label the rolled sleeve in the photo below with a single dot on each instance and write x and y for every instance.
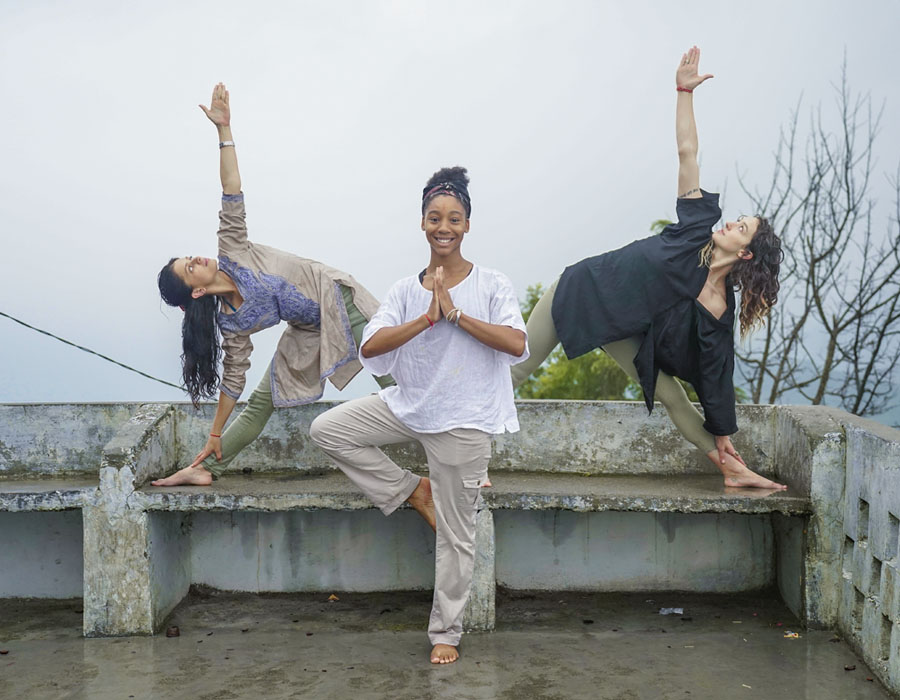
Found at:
(505, 311)
(389, 314)
(232, 225)
(716, 386)
(236, 362)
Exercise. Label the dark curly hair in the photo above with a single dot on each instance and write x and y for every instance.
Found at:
(453, 181)
(757, 278)
(199, 334)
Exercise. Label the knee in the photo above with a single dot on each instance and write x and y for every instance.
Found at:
(319, 431)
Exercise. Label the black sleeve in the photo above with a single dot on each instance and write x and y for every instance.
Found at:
(696, 217)
(716, 386)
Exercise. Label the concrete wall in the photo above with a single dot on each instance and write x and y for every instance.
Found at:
(41, 555)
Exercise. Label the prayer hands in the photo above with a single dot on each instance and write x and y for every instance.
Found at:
(213, 445)
(434, 308)
(219, 111)
(686, 76)
(443, 295)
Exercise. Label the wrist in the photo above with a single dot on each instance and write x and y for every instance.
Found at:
(682, 88)
(429, 321)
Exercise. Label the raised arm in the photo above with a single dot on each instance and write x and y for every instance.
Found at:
(686, 80)
(219, 113)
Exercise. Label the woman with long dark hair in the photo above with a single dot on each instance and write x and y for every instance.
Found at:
(448, 335)
(248, 288)
(663, 307)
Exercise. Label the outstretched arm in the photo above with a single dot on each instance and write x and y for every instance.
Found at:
(686, 79)
(219, 113)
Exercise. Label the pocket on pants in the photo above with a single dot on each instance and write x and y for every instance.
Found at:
(471, 493)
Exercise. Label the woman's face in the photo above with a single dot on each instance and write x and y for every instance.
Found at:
(736, 236)
(445, 224)
(195, 272)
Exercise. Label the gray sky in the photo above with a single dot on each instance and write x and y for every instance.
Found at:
(563, 112)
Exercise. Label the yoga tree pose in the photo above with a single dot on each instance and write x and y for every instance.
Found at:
(248, 288)
(448, 336)
(664, 306)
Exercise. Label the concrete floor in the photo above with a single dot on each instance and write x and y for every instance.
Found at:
(550, 646)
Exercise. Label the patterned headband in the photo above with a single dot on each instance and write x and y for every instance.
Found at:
(454, 189)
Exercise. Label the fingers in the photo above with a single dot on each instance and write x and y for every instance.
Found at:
(203, 454)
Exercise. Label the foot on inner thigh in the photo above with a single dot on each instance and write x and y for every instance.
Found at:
(421, 500)
(738, 476)
(194, 476)
(444, 654)
(487, 482)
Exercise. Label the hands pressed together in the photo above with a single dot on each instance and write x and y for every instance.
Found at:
(441, 302)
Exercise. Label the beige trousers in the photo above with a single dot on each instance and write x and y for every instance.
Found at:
(457, 466)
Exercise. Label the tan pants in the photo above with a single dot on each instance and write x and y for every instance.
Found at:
(542, 339)
(457, 466)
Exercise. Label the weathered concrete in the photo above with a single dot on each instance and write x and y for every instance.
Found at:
(41, 555)
(373, 646)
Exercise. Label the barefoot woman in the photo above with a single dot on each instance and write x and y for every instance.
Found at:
(448, 335)
(249, 288)
(664, 306)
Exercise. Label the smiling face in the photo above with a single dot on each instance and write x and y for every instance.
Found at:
(196, 272)
(445, 225)
(736, 236)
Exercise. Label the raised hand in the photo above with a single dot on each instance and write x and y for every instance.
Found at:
(219, 110)
(687, 76)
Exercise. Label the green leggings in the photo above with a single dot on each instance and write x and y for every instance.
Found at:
(542, 339)
(249, 424)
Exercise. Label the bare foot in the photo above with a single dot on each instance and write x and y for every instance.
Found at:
(194, 476)
(421, 500)
(487, 482)
(738, 476)
(444, 654)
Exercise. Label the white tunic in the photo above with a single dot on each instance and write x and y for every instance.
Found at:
(445, 378)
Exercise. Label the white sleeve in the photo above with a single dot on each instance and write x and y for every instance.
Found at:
(505, 311)
(389, 314)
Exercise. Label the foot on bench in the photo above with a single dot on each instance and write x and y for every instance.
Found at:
(422, 502)
(192, 476)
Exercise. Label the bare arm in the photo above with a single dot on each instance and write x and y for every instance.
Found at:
(386, 339)
(502, 338)
(214, 444)
(686, 80)
(219, 113)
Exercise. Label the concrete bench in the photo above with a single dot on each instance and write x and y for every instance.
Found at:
(589, 496)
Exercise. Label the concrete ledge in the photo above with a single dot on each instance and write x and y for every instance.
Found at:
(511, 491)
(46, 494)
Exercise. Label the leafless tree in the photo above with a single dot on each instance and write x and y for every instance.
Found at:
(834, 336)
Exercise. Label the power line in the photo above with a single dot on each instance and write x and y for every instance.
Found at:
(74, 345)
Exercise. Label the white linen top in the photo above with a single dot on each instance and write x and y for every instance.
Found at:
(445, 378)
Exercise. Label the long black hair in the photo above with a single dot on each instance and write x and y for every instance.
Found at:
(199, 334)
(757, 278)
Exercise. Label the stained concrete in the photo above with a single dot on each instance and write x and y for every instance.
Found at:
(373, 646)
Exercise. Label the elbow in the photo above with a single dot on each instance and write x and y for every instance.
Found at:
(519, 345)
(687, 151)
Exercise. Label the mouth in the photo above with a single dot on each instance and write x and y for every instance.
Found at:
(442, 240)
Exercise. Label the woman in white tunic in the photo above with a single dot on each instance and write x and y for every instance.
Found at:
(448, 336)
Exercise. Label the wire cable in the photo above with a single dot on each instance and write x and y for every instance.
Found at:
(108, 359)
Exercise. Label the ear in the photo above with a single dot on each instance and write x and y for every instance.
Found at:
(745, 254)
(198, 292)
(467, 226)
(423, 223)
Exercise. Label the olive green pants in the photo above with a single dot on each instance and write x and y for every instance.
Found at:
(542, 339)
(249, 424)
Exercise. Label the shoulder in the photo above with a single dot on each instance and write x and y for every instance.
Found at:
(495, 278)
(403, 286)
(706, 202)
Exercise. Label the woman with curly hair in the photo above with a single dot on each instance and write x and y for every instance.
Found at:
(663, 307)
(248, 288)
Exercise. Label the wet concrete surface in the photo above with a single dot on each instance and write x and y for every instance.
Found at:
(546, 646)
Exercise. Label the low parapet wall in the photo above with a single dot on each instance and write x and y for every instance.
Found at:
(835, 559)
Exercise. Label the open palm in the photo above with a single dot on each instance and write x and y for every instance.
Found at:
(687, 76)
(218, 112)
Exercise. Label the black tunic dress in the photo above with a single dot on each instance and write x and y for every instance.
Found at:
(649, 289)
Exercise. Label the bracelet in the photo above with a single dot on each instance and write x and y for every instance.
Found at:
(214, 435)
(222, 144)
(683, 89)
(430, 322)
(454, 321)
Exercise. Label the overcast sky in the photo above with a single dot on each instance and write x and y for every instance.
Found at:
(562, 111)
